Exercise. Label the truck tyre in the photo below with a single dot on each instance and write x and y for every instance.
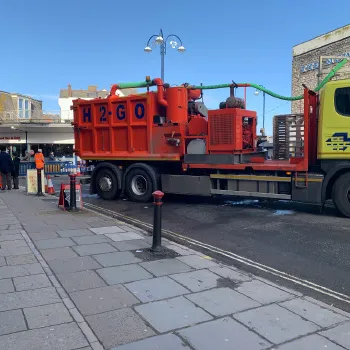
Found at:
(341, 194)
(140, 183)
(107, 184)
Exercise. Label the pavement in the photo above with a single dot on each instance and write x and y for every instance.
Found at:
(86, 281)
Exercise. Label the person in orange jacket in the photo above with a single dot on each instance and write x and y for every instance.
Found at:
(39, 159)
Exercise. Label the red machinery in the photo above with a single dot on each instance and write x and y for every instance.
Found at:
(165, 124)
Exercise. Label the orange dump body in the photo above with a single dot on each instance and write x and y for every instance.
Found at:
(126, 128)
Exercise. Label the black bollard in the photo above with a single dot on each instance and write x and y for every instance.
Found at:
(40, 185)
(157, 221)
(72, 197)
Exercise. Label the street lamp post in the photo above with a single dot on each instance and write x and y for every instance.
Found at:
(257, 92)
(162, 42)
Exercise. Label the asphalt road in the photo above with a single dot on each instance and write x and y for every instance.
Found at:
(292, 238)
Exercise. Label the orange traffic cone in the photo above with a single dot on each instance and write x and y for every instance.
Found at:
(51, 189)
(46, 187)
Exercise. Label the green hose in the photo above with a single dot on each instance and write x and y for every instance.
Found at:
(139, 84)
(329, 76)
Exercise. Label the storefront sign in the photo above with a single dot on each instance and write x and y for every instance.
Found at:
(315, 65)
(8, 138)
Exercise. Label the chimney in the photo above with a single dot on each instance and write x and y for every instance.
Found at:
(92, 88)
(70, 90)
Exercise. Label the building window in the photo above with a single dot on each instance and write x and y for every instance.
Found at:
(20, 108)
(24, 108)
(342, 101)
(27, 109)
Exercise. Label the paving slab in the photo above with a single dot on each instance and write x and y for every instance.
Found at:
(119, 327)
(61, 337)
(90, 249)
(180, 250)
(6, 286)
(132, 244)
(275, 323)
(2, 261)
(166, 267)
(312, 312)
(230, 274)
(28, 298)
(123, 274)
(91, 239)
(11, 322)
(311, 342)
(116, 258)
(21, 259)
(160, 342)
(171, 314)
(68, 265)
(54, 243)
(31, 282)
(14, 244)
(81, 280)
(223, 334)
(102, 223)
(47, 315)
(123, 236)
(20, 270)
(222, 301)
(197, 281)
(106, 229)
(156, 289)
(339, 335)
(98, 300)
(262, 292)
(14, 251)
(197, 262)
(35, 228)
(75, 233)
(42, 235)
(58, 253)
(7, 237)
(74, 225)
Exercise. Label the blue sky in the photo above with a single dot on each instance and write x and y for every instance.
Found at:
(46, 44)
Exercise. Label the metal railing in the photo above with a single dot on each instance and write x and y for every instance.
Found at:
(51, 168)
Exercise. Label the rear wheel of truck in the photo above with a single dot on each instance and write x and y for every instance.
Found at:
(107, 184)
(139, 185)
(341, 194)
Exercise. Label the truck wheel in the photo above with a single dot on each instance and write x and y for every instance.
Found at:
(139, 185)
(341, 194)
(107, 184)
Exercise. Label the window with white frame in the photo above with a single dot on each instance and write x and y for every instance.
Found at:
(24, 108)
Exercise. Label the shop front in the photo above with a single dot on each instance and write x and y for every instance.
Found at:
(50, 138)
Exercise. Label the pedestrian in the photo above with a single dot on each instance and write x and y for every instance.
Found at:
(26, 157)
(51, 157)
(6, 166)
(39, 159)
(15, 171)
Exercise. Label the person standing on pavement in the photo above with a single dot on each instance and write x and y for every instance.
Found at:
(39, 159)
(6, 166)
(15, 171)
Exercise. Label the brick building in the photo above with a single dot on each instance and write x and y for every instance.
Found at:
(307, 68)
